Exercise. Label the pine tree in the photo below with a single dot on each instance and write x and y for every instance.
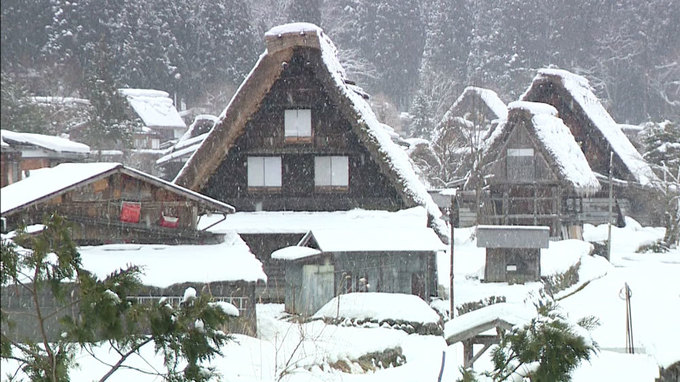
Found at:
(48, 267)
(545, 350)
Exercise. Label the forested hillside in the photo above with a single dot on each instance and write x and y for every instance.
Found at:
(418, 54)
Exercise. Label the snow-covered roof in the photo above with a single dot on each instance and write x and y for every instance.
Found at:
(581, 91)
(48, 142)
(49, 182)
(67, 101)
(472, 323)
(300, 28)
(377, 239)
(154, 107)
(294, 252)
(301, 222)
(391, 159)
(379, 307)
(564, 154)
(164, 265)
(488, 96)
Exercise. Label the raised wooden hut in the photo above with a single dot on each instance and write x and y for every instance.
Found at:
(536, 172)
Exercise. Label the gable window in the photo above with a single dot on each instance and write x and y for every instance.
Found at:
(520, 164)
(264, 172)
(331, 172)
(298, 125)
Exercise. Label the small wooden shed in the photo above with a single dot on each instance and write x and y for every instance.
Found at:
(513, 253)
(111, 203)
(326, 263)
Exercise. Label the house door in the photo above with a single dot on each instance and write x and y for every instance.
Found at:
(317, 287)
(418, 285)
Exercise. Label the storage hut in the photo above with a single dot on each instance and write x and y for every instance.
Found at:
(326, 263)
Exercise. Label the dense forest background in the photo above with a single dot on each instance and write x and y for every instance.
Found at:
(415, 55)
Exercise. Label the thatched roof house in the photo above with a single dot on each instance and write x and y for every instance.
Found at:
(536, 170)
(594, 129)
(298, 135)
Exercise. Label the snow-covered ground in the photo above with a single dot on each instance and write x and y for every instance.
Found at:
(290, 351)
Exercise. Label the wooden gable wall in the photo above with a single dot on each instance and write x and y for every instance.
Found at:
(98, 206)
(299, 88)
(519, 138)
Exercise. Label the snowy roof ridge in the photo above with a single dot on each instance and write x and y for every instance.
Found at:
(259, 82)
(49, 182)
(581, 91)
(48, 142)
(154, 107)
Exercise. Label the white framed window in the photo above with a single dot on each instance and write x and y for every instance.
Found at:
(298, 125)
(331, 171)
(155, 143)
(520, 164)
(264, 172)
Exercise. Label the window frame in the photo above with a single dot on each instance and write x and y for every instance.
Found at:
(291, 126)
(516, 169)
(331, 185)
(259, 163)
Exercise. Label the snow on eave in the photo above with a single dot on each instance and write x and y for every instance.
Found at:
(581, 91)
(154, 107)
(48, 142)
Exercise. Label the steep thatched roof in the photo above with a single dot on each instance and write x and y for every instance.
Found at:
(552, 138)
(580, 103)
(349, 100)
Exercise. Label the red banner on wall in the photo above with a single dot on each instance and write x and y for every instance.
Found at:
(130, 212)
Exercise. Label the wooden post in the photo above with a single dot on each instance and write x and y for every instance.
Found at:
(609, 229)
(451, 221)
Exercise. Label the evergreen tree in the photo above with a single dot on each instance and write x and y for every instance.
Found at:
(17, 112)
(109, 125)
(48, 266)
(304, 10)
(661, 142)
(545, 350)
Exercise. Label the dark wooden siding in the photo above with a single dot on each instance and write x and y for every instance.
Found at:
(332, 134)
(96, 208)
